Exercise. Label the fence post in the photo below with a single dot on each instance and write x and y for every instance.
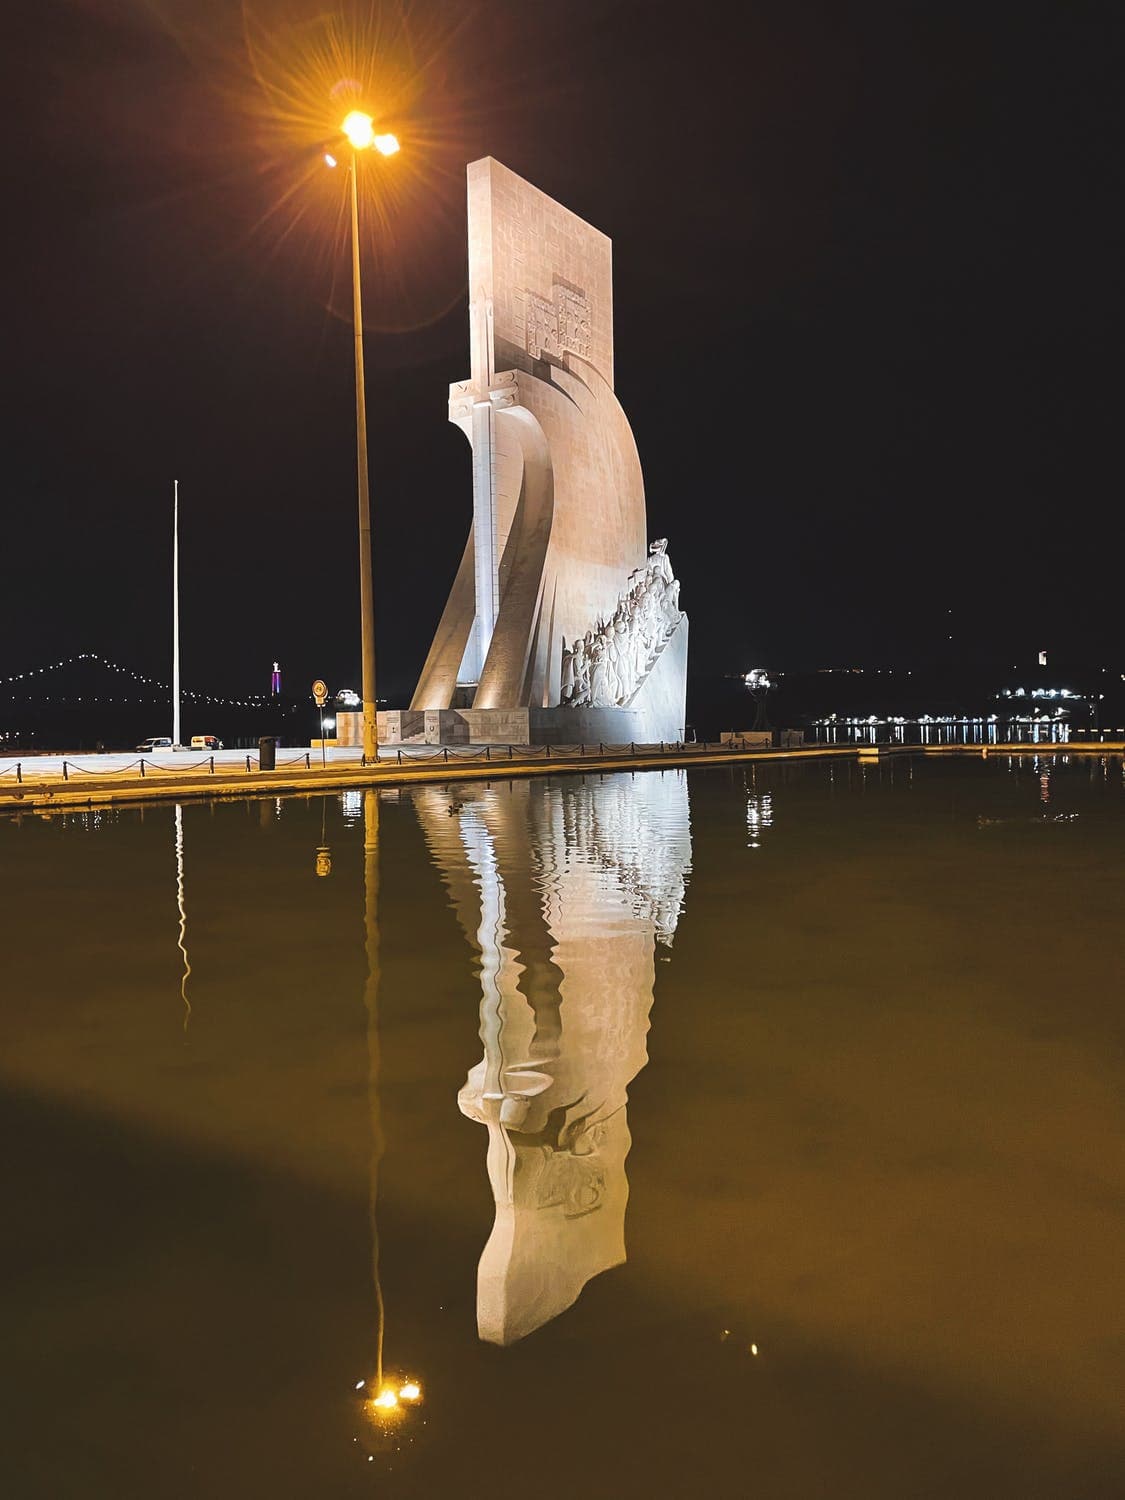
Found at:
(308, 763)
(19, 773)
(400, 757)
(632, 747)
(248, 763)
(547, 748)
(65, 775)
(662, 747)
(486, 754)
(601, 748)
(511, 755)
(212, 765)
(142, 768)
(445, 754)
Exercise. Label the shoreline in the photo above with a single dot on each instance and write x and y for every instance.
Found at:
(164, 785)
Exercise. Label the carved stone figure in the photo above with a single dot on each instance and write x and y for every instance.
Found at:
(607, 668)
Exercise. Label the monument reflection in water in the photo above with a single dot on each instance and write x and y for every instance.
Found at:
(566, 890)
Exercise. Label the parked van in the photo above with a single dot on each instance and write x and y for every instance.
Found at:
(155, 742)
(206, 742)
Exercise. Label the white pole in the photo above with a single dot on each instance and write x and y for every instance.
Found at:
(176, 613)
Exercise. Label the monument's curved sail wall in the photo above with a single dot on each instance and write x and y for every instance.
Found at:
(558, 526)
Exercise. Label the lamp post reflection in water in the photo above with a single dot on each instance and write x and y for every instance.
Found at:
(385, 1398)
(181, 903)
(564, 889)
(323, 852)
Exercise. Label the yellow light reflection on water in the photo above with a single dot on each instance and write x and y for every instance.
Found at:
(392, 1399)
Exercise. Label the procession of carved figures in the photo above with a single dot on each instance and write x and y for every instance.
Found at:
(604, 668)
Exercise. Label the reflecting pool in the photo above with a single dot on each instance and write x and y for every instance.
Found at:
(716, 1132)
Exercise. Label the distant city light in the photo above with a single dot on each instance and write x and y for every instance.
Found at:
(757, 677)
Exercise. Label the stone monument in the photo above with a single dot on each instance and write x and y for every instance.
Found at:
(563, 624)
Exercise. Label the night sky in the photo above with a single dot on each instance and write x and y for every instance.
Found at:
(867, 323)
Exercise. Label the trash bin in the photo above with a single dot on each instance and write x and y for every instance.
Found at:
(267, 752)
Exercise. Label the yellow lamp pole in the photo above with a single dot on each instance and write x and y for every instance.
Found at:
(360, 132)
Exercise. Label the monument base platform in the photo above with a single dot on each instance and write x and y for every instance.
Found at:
(655, 714)
(526, 726)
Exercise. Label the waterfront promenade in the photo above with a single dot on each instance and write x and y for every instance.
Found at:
(39, 781)
(87, 780)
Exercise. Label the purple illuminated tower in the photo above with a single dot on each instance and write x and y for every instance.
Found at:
(275, 680)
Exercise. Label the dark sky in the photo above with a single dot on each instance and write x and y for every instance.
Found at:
(867, 322)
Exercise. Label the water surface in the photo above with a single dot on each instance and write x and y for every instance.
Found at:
(753, 1130)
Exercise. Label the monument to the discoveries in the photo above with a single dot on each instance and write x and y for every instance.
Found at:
(563, 623)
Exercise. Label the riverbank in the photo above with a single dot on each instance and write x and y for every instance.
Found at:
(82, 784)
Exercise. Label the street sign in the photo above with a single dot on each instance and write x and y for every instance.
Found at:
(320, 692)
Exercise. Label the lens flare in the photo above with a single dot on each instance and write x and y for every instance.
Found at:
(367, 79)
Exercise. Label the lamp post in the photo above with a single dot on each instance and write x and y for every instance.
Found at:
(175, 614)
(359, 129)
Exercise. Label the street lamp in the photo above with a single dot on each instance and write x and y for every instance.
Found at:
(359, 130)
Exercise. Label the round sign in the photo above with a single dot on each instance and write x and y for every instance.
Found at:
(320, 691)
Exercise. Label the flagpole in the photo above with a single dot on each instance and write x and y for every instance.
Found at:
(176, 613)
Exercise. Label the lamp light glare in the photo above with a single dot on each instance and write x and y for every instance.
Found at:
(385, 1399)
(410, 1391)
(359, 129)
(329, 159)
(387, 145)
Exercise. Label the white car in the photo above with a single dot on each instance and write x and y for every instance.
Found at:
(157, 742)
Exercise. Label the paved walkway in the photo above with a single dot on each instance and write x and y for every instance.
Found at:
(83, 766)
(89, 780)
(157, 762)
(44, 782)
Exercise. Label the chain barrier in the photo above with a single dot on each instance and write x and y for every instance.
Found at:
(71, 765)
(419, 753)
(146, 766)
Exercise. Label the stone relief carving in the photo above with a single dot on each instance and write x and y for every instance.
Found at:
(604, 668)
(558, 325)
